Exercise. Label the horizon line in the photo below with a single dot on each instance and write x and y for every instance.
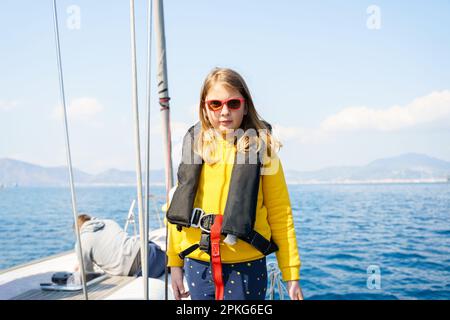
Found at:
(46, 166)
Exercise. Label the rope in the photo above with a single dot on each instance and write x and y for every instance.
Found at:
(69, 157)
(142, 222)
(147, 168)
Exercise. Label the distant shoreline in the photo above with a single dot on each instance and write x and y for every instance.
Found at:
(409, 168)
(355, 182)
(387, 181)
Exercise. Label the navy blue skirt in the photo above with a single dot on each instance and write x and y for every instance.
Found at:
(242, 281)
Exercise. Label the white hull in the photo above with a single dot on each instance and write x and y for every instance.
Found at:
(23, 282)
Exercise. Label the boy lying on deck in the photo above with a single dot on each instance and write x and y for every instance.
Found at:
(105, 244)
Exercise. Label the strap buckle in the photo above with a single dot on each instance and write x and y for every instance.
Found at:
(197, 214)
(215, 249)
(202, 220)
(206, 222)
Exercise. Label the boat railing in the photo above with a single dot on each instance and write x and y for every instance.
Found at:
(276, 287)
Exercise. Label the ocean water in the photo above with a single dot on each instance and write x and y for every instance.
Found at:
(387, 241)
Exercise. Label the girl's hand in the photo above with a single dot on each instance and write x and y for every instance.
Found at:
(294, 290)
(177, 283)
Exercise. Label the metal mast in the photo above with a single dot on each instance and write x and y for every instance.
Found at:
(164, 98)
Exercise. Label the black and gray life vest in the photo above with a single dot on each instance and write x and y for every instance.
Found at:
(240, 210)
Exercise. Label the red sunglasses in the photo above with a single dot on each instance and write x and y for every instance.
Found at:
(232, 103)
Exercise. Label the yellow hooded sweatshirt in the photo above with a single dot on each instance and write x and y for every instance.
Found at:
(273, 216)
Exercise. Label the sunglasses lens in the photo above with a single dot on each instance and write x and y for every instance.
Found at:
(215, 104)
(234, 104)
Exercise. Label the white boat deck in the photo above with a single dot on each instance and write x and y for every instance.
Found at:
(23, 283)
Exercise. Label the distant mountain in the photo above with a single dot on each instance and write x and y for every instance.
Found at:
(15, 172)
(409, 167)
(20, 173)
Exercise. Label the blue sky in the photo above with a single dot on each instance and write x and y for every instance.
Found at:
(337, 92)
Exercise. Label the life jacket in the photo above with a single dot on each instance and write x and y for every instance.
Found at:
(240, 211)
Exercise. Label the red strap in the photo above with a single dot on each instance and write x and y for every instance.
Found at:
(216, 263)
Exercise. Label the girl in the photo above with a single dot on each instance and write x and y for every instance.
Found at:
(241, 213)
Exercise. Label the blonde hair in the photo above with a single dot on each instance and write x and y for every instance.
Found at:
(206, 144)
